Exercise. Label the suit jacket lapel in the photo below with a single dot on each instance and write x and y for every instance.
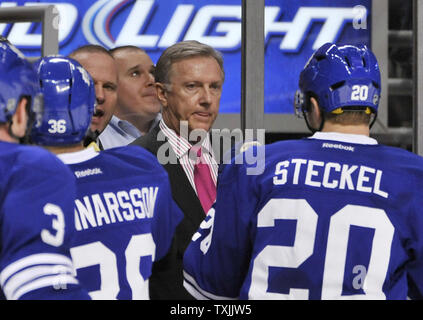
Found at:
(183, 193)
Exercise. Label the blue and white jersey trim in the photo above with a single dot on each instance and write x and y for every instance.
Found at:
(36, 271)
(344, 137)
(195, 290)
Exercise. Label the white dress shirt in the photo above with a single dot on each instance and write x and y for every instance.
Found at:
(181, 146)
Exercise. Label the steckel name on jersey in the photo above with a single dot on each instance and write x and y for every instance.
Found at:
(330, 175)
(98, 209)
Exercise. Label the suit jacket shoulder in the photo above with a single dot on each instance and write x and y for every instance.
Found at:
(150, 140)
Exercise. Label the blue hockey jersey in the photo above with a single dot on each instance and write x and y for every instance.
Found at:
(331, 217)
(125, 219)
(36, 211)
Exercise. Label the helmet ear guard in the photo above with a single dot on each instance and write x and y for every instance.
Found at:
(302, 103)
(302, 106)
(299, 106)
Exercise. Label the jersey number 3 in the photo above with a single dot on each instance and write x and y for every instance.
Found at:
(336, 250)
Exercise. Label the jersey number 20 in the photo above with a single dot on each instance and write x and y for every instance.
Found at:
(336, 250)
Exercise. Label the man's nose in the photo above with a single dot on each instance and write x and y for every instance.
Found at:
(99, 94)
(150, 80)
(206, 96)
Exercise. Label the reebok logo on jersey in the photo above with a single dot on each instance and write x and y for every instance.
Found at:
(337, 146)
(88, 172)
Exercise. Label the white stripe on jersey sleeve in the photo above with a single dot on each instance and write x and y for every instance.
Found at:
(35, 259)
(54, 280)
(27, 275)
(195, 290)
(34, 268)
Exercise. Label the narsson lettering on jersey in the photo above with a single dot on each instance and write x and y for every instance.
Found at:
(113, 207)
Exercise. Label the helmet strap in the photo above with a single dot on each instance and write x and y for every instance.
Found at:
(26, 139)
(11, 133)
(322, 123)
(373, 120)
(91, 137)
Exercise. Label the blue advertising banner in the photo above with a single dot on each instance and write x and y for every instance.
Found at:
(293, 30)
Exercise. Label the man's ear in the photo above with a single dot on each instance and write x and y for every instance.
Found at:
(314, 108)
(161, 93)
(20, 119)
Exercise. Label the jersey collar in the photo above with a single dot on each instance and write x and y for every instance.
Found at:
(344, 137)
(79, 156)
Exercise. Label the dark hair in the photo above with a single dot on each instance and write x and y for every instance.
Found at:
(349, 117)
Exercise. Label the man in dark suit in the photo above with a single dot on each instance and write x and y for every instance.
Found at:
(189, 77)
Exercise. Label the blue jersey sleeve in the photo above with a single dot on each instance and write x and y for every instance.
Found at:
(36, 214)
(217, 259)
(413, 240)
